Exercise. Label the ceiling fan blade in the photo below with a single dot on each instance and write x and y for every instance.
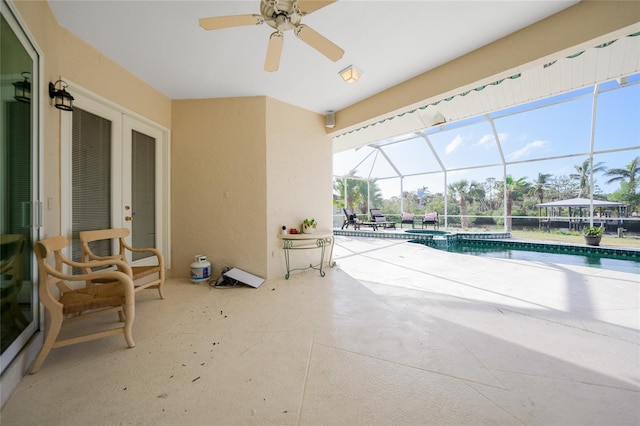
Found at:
(218, 22)
(319, 42)
(308, 6)
(274, 50)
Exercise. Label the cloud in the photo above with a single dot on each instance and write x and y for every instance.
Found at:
(488, 141)
(527, 150)
(454, 144)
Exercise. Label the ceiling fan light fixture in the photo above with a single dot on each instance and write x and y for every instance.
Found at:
(350, 74)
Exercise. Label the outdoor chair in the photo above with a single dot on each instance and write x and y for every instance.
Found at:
(380, 219)
(350, 219)
(66, 300)
(407, 218)
(431, 218)
(116, 238)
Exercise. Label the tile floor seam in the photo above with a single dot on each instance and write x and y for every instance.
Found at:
(471, 286)
(560, 379)
(413, 367)
(586, 330)
(306, 379)
(503, 409)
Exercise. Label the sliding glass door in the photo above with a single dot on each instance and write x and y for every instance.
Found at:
(20, 212)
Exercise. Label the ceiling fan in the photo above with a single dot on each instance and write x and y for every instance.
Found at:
(282, 15)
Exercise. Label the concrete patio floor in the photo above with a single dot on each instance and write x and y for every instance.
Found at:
(396, 333)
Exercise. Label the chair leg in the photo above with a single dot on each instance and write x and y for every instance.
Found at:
(50, 340)
(160, 286)
(129, 313)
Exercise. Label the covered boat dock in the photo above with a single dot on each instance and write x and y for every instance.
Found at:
(576, 213)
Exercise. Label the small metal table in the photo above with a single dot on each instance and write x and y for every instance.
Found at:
(319, 239)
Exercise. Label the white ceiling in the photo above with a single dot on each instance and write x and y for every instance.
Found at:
(390, 41)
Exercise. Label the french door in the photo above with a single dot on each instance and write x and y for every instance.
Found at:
(114, 176)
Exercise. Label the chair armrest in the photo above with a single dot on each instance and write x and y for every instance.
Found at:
(120, 264)
(109, 275)
(152, 250)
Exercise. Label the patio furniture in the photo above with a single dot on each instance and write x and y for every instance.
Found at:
(66, 304)
(373, 225)
(350, 219)
(381, 220)
(431, 218)
(321, 240)
(407, 218)
(116, 238)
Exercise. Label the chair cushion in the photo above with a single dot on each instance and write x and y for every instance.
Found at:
(430, 216)
(407, 216)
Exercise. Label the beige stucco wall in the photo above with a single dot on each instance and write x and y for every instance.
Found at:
(218, 183)
(299, 178)
(242, 168)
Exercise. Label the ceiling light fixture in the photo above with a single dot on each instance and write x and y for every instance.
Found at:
(350, 74)
(22, 89)
(63, 100)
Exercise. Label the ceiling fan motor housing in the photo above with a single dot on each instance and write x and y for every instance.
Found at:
(280, 14)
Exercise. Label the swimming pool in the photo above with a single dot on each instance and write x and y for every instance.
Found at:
(591, 260)
(500, 245)
(497, 246)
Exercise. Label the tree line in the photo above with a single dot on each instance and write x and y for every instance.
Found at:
(487, 198)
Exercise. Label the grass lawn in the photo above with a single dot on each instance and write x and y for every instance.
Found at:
(576, 238)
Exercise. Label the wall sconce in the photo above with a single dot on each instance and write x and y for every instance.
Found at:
(22, 89)
(350, 74)
(63, 100)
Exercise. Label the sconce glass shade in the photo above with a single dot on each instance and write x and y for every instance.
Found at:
(62, 99)
(22, 89)
(350, 74)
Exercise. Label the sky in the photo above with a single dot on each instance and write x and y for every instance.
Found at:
(560, 126)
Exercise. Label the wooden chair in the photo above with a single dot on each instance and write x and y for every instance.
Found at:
(119, 234)
(73, 302)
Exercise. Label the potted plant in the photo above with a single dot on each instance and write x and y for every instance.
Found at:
(309, 226)
(593, 235)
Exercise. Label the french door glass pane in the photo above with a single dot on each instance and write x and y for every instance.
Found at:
(143, 172)
(90, 178)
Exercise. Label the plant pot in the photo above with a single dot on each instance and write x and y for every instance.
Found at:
(308, 229)
(592, 240)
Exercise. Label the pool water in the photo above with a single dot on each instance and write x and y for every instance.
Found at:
(594, 261)
(500, 245)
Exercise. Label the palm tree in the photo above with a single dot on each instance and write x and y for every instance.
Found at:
(356, 190)
(583, 175)
(628, 178)
(514, 188)
(464, 192)
(539, 186)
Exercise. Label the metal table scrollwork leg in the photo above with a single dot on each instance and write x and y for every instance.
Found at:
(287, 246)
